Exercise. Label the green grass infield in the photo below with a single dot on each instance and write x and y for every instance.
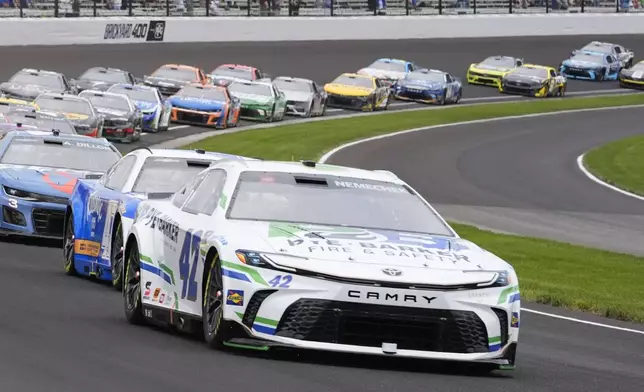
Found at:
(620, 163)
(553, 273)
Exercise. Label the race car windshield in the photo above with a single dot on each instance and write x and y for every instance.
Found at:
(105, 76)
(293, 85)
(43, 123)
(244, 88)
(531, 72)
(108, 101)
(241, 73)
(594, 58)
(165, 175)
(498, 62)
(64, 105)
(353, 81)
(6, 108)
(388, 66)
(333, 201)
(41, 79)
(72, 154)
(184, 74)
(214, 94)
(598, 48)
(430, 76)
(144, 94)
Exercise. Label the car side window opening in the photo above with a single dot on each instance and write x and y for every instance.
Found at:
(205, 198)
(181, 196)
(618, 50)
(609, 59)
(552, 73)
(448, 78)
(118, 177)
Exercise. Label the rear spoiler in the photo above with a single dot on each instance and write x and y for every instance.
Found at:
(159, 195)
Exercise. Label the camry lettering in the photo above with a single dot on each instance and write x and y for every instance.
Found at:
(390, 297)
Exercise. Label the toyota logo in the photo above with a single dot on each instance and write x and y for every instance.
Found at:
(392, 271)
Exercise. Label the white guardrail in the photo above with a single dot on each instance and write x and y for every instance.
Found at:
(68, 31)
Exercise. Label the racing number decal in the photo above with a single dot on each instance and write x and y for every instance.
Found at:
(189, 253)
(281, 281)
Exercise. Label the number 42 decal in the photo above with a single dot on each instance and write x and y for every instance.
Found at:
(189, 254)
(281, 281)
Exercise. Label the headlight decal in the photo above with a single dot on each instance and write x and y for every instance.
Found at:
(509, 295)
(242, 272)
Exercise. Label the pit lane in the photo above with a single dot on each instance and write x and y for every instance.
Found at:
(70, 334)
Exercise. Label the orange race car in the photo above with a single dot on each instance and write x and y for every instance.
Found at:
(205, 105)
(170, 78)
(228, 73)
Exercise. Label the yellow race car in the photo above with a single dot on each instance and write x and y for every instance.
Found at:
(534, 81)
(6, 104)
(632, 77)
(358, 92)
(490, 71)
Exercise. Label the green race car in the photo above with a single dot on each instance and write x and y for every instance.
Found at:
(260, 101)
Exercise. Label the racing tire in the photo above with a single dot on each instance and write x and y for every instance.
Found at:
(309, 113)
(442, 101)
(389, 97)
(163, 129)
(116, 256)
(562, 91)
(69, 252)
(600, 76)
(323, 109)
(458, 97)
(132, 287)
(215, 328)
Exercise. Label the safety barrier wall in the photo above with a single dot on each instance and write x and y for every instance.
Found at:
(68, 31)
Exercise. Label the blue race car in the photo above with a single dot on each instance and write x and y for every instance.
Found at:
(205, 105)
(100, 212)
(155, 109)
(429, 86)
(38, 171)
(588, 65)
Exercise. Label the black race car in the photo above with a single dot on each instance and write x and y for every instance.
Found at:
(78, 110)
(170, 78)
(632, 77)
(27, 84)
(44, 121)
(122, 119)
(101, 78)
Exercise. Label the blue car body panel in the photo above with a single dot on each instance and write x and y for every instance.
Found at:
(150, 110)
(33, 198)
(587, 65)
(428, 91)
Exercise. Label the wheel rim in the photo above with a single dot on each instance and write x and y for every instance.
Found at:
(69, 244)
(214, 303)
(133, 284)
(117, 259)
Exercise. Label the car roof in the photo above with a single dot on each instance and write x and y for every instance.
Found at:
(41, 71)
(106, 69)
(61, 136)
(237, 66)
(177, 153)
(319, 169)
(293, 79)
(428, 70)
(206, 86)
(501, 57)
(179, 66)
(536, 66)
(358, 76)
(134, 87)
(253, 82)
(388, 60)
(69, 97)
(102, 93)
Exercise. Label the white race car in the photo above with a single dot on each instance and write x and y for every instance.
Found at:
(260, 254)
(389, 71)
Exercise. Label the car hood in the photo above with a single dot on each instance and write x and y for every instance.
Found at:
(107, 112)
(93, 85)
(44, 180)
(163, 82)
(343, 89)
(196, 103)
(252, 98)
(365, 254)
(636, 74)
(145, 105)
(297, 96)
(382, 74)
(76, 117)
(28, 91)
(490, 69)
(421, 84)
(582, 64)
(523, 79)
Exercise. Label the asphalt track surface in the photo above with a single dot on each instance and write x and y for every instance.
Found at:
(66, 334)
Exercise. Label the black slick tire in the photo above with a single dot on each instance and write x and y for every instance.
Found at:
(215, 329)
(69, 251)
(132, 287)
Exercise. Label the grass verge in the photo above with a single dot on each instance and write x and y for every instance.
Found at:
(550, 272)
(620, 163)
(574, 277)
(312, 140)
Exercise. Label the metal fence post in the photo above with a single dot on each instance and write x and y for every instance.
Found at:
(474, 10)
(332, 7)
(247, 7)
(407, 7)
(510, 5)
(440, 7)
(129, 7)
(207, 7)
(167, 7)
(94, 6)
(55, 9)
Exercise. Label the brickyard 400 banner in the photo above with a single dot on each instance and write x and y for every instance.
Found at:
(151, 31)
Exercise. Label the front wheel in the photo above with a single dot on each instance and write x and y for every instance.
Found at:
(132, 288)
(69, 252)
(117, 257)
(562, 91)
(214, 328)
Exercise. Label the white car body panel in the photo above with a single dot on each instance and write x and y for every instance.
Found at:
(172, 272)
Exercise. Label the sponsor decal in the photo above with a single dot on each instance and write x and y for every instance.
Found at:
(157, 291)
(390, 297)
(371, 187)
(151, 31)
(515, 320)
(148, 290)
(392, 271)
(163, 223)
(235, 298)
(87, 248)
(162, 298)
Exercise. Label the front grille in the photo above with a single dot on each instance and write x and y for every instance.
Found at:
(249, 112)
(192, 117)
(13, 217)
(576, 72)
(48, 221)
(253, 306)
(503, 322)
(416, 95)
(350, 102)
(357, 324)
(518, 90)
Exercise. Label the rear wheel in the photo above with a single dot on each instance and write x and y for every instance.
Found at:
(68, 246)
(117, 256)
(132, 287)
(214, 327)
